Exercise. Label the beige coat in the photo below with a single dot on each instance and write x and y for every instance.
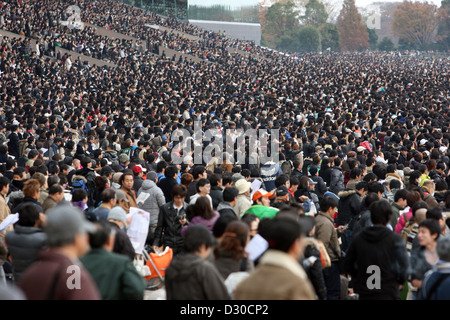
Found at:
(243, 203)
(277, 277)
(4, 212)
(326, 233)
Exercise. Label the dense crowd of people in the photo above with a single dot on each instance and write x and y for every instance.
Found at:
(358, 176)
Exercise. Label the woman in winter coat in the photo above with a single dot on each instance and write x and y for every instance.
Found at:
(230, 255)
(200, 213)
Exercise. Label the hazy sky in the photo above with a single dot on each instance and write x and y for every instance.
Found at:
(239, 3)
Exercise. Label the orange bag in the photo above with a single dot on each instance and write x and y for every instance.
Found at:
(161, 262)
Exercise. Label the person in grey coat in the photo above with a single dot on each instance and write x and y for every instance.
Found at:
(337, 177)
(26, 240)
(153, 202)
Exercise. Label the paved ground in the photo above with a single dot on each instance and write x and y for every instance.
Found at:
(159, 294)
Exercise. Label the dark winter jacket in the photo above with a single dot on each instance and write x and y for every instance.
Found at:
(348, 208)
(312, 264)
(380, 247)
(166, 186)
(216, 195)
(168, 230)
(24, 245)
(190, 277)
(321, 186)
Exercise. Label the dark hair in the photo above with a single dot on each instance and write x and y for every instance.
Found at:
(395, 184)
(221, 224)
(4, 181)
(412, 197)
(179, 190)
(281, 180)
(400, 194)
(229, 194)
(161, 165)
(79, 195)
(234, 240)
(370, 177)
(214, 179)
(107, 195)
(370, 198)
(100, 182)
(100, 236)
(435, 214)
(432, 225)
(248, 218)
(28, 215)
(171, 171)
(282, 232)
(380, 212)
(198, 170)
(201, 207)
(54, 179)
(195, 236)
(362, 185)
(125, 173)
(201, 183)
(55, 188)
(376, 187)
(355, 172)
(85, 161)
(327, 203)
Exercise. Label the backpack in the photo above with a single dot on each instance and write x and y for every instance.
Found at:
(286, 167)
(79, 184)
(409, 226)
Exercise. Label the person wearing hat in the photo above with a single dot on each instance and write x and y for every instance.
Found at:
(261, 205)
(139, 172)
(117, 218)
(282, 197)
(107, 172)
(122, 199)
(59, 275)
(124, 161)
(243, 202)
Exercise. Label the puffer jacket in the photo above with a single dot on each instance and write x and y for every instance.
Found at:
(337, 180)
(312, 264)
(24, 245)
(155, 200)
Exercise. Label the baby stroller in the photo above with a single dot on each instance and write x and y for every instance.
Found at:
(157, 262)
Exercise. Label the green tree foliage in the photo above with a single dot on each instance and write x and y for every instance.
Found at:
(315, 14)
(280, 19)
(373, 38)
(386, 44)
(330, 37)
(303, 39)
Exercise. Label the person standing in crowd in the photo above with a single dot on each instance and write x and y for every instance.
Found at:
(115, 276)
(378, 246)
(278, 275)
(67, 238)
(328, 235)
(126, 182)
(191, 275)
(171, 219)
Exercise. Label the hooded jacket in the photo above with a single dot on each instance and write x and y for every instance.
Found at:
(154, 201)
(190, 277)
(377, 246)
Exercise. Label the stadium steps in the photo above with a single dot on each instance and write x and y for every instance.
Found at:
(75, 55)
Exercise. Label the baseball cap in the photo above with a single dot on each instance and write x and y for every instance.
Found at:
(282, 191)
(124, 158)
(118, 213)
(121, 195)
(138, 168)
(64, 222)
(262, 193)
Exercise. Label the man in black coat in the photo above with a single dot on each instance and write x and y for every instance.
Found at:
(167, 184)
(377, 259)
(14, 142)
